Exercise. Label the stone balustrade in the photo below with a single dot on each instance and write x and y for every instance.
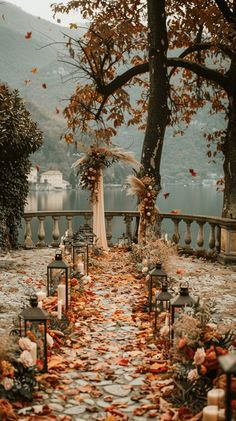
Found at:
(191, 233)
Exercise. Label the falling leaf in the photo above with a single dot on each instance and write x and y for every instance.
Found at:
(27, 81)
(166, 195)
(44, 85)
(57, 110)
(34, 70)
(175, 211)
(3, 17)
(37, 167)
(28, 35)
(73, 26)
(192, 172)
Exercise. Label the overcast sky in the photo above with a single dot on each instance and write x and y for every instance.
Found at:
(42, 8)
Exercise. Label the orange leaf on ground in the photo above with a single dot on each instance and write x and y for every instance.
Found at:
(158, 368)
(56, 361)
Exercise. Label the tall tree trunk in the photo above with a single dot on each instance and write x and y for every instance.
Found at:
(229, 150)
(157, 106)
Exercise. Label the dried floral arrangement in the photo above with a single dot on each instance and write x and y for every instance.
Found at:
(96, 158)
(196, 348)
(145, 190)
(156, 250)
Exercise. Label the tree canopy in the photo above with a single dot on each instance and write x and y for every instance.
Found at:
(19, 138)
(124, 41)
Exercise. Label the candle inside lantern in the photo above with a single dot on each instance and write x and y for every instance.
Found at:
(61, 293)
(210, 413)
(216, 397)
(59, 309)
(80, 267)
(41, 295)
(221, 415)
(33, 352)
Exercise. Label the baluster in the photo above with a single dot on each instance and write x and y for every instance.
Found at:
(200, 234)
(188, 234)
(176, 236)
(55, 232)
(41, 232)
(88, 219)
(28, 242)
(109, 229)
(69, 225)
(211, 241)
(217, 244)
(128, 221)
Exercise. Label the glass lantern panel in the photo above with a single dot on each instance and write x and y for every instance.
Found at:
(35, 331)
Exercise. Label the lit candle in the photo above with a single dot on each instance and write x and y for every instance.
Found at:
(221, 415)
(59, 309)
(210, 413)
(40, 304)
(41, 295)
(61, 293)
(216, 397)
(33, 352)
(80, 267)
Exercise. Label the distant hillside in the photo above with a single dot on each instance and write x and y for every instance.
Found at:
(20, 55)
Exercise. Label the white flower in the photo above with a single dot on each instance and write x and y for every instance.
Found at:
(7, 383)
(193, 375)
(26, 359)
(199, 356)
(144, 269)
(148, 213)
(150, 187)
(25, 344)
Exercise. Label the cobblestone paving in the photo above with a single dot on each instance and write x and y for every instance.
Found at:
(111, 348)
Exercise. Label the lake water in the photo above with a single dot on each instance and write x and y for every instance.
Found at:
(190, 199)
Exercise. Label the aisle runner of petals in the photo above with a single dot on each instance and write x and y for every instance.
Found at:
(109, 366)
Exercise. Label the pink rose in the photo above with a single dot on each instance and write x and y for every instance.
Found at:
(193, 375)
(26, 359)
(7, 383)
(25, 344)
(199, 356)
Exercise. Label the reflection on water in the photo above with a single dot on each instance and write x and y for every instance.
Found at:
(202, 200)
(198, 200)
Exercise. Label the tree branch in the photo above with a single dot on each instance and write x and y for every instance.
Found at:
(203, 71)
(226, 11)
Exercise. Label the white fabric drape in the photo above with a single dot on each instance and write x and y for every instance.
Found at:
(99, 227)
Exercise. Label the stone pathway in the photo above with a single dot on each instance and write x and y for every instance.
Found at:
(109, 355)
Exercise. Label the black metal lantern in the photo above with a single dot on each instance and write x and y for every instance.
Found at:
(157, 276)
(87, 233)
(80, 257)
(58, 274)
(181, 301)
(162, 301)
(33, 324)
(228, 365)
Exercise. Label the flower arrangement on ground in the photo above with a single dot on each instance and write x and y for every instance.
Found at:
(145, 189)
(196, 349)
(18, 372)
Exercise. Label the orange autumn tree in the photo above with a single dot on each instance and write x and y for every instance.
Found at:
(124, 41)
(110, 59)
